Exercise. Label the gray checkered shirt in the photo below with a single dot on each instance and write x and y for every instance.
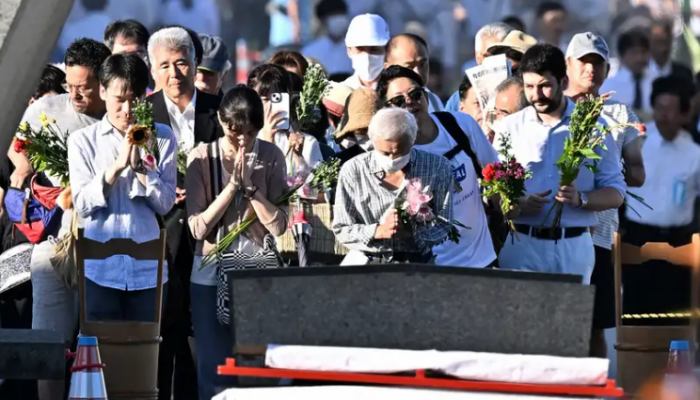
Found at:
(361, 201)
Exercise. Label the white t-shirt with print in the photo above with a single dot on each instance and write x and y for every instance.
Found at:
(475, 248)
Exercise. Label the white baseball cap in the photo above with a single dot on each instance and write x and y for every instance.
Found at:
(367, 30)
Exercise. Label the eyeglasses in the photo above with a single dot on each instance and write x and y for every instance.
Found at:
(400, 100)
(82, 91)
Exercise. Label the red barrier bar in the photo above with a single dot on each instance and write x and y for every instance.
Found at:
(420, 380)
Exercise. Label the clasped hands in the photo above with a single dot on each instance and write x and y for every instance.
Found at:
(242, 175)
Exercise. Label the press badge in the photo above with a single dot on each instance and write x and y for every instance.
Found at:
(679, 192)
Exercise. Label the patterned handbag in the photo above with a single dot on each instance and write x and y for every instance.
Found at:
(267, 257)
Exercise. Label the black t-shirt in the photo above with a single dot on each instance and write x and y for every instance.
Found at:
(10, 237)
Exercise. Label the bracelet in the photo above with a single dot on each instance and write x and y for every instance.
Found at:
(250, 193)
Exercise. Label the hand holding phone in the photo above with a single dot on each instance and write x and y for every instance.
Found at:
(280, 107)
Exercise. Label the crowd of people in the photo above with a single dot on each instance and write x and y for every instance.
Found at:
(389, 130)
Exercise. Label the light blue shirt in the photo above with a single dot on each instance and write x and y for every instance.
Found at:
(537, 147)
(124, 210)
(453, 102)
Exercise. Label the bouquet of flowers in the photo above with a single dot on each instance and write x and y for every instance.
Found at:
(295, 183)
(506, 179)
(144, 134)
(46, 147)
(325, 177)
(416, 208)
(315, 87)
(585, 136)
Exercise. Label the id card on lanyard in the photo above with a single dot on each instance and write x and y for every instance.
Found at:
(678, 193)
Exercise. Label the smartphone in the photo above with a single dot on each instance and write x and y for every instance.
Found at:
(280, 102)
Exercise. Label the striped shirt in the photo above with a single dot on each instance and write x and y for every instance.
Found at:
(362, 200)
(614, 113)
(126, 209)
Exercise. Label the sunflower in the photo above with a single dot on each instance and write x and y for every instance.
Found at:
(139, 135)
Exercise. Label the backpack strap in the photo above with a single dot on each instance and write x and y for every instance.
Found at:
(449, 122)
(216, 184)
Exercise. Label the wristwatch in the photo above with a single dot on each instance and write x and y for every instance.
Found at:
(250, 192)
(584, 199)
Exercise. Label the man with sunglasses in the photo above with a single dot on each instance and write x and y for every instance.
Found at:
(460, 139)
(55, 304)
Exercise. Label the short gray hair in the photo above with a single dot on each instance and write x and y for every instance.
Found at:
(172, 39)
(394, 124)
(496, 30)
(514, 81)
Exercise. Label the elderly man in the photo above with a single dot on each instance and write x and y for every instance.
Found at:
(485, 37)
(537, 136)
(211, 73)
(457, 137)
(191, 113)
(411, 51)
(587, 62)
(372, 184)
(510, 97)
(367, 36)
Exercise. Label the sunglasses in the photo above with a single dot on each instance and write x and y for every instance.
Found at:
(400, 100)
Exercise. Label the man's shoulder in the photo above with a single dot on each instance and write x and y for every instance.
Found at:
(356, 163)
(432, 159)
(51, 105)
(315, 46)
(206, 101)
(84, 135)
(164, 131)
(155, 97)
(269, 150)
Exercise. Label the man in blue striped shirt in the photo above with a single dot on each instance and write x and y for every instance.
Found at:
(118, 195)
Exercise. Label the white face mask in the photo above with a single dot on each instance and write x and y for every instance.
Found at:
(368, 66)
(337, 25)
(392, 165)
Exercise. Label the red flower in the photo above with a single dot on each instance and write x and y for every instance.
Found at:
(641, 128)
(150, 161)
(488, 172)
(20, 145)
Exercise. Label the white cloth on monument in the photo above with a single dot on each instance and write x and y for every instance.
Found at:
(491, 367)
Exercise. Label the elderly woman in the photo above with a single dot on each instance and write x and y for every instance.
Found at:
(371, 185)
(251, 175)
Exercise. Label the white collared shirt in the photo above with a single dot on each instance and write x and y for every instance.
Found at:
(182, 122)
(623, 86)
(311, 152)
(672, 181)
(656, 71)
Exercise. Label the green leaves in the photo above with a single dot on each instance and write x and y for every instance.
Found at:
(589, 153)
(46, 148)
(315, 87)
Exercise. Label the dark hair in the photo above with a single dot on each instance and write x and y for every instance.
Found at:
(542, 58)
(339, 76)
(242, 106)
(94, 5)
(547, 6)
(514, 22)
(510, 53)
(632, 39)
(52, 80)
(130, 29)
(514, 81)
(435, 66)
(270, 78)
(130, 68)
(196, 41)
(416, 39)
(86, 53)
(665, 24)
(395, 72)
(675, 86)
(464, 87)
(325, 8)
(290, 59)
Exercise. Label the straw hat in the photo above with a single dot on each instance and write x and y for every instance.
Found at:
(364, 103)
(335, 98)
(516, 40)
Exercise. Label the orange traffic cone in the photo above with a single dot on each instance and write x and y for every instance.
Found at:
(87, 381)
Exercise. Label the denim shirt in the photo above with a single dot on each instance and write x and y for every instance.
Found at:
(124, 210)
(538, 147)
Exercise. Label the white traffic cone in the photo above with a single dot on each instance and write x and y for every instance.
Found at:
(87, 380)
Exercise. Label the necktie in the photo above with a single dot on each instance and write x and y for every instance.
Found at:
(637, 92)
